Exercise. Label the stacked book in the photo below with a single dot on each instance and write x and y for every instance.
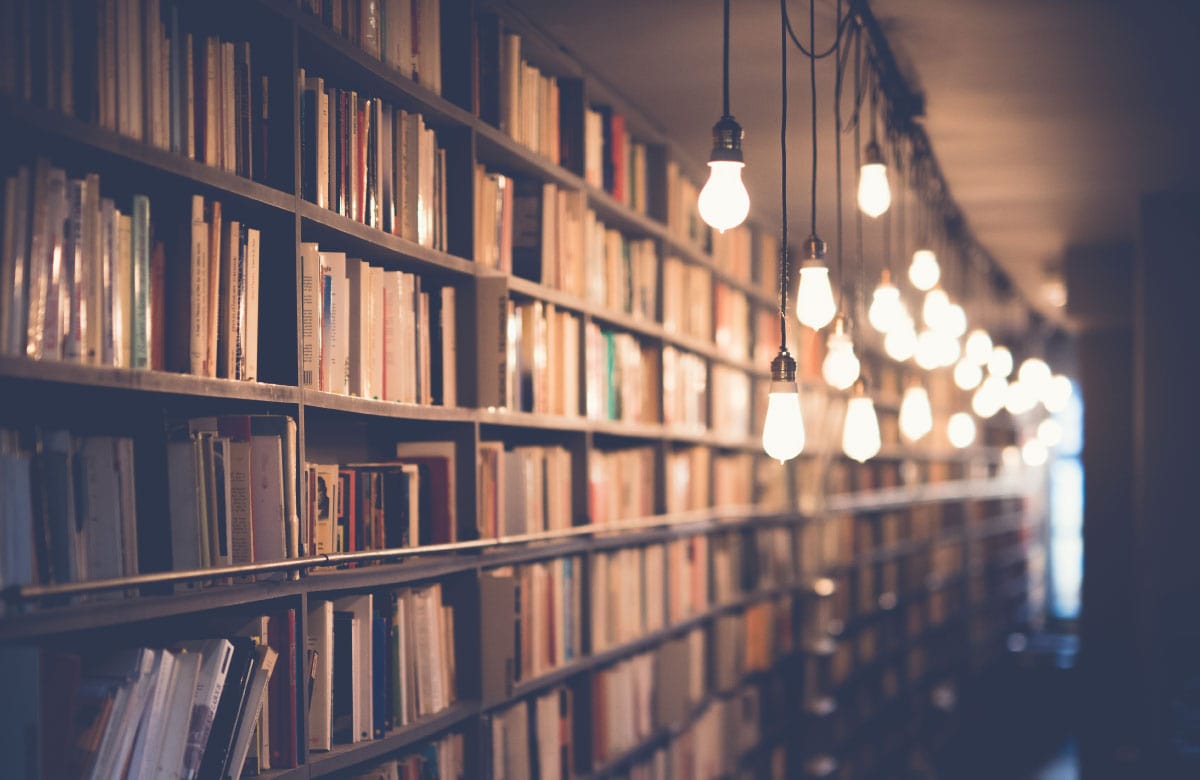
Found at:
(199, 708)
(731, 402)
(687, 577)
(523, 489)
(405, 34)
(684, 389)
(732, 322)
(543, 359)
(69, 512)
(687, 299)
(622, 272)
(358, 507)
(371, 162)
(381, 662)
(622, 707)
(621, 484)
(613, 160)
(376, 333)
(732, 252)
(622, 378)
(440, 759)
(628, 598)
(683, 215)
(534, 738)
(733, 479)
(688, 470)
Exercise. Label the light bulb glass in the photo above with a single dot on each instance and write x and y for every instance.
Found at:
(916, 415)
(967, 375)
(948, 348)
(860, 434)
(724, 202)
(1000, 363)
(934, 309)
(1057, 394)
(961, 430)
(1049, 432)
(783, 430)
(928, 351)
(979, 346)
(874, 194)
(989, 398)
(886, 309)
(924, 271)
(954, 321)
(1034, 453)
(901, 341)
(1010, 457)
(1036, 375)
(841, 366)
(1019, 398)
(815, 306)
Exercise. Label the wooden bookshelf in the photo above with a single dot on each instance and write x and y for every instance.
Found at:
(982, 519)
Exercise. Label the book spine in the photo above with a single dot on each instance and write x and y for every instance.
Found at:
(141, 282)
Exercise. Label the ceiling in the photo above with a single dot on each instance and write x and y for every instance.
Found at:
(1049, 118)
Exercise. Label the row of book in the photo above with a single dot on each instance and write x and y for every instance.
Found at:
(687, 299)
(523, 489)
(215, 707)
(376, 333)
(628, 598)
(372, 162)
(732, 252)
(532, 621)
(69, 512)
(404, 34)
(83, 282)
(731, 394)
(683, 215)
(232, 491)
(684, 389)
(382, 661)
(534, 738)
(688, 571)
(733, 479)
(514, 95)
(613, 160)
(134, 67)
(622, 484)
(622, 379)
(407, 502)
(439, 759)
(731, 320)
(688, 471)
(542, 362)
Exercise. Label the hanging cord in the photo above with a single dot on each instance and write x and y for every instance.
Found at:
(783, 266)
(902, 183)
(858, 224)
(725, 66)
(841, 27)
(812, 83)
(837, 153)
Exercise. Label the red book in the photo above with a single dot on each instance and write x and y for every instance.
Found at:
(618, 156)
(281, 636)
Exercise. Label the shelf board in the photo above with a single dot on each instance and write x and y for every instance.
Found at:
(893, 498)
(98, 140)
(139, 380)
(343, 757)
(376, 244)
(369, 406)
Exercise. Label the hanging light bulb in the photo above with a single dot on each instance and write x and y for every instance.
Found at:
(916, 415)
(815, 306)
(961, 430)
(901, 341)
(841, 366)
(1000, 363)
(928, 352)
(948, 348)
(1057, 394)
(860, 433)
(1034, 453)
(967, 375)
(783, 430)
(886, 308)
(1049, 432)
(979, 346)
(934, 309)
(724, 202)
(989, 398)
(1019, 398)
(874, 194)
(1036, 375)
(924, 271)
(954, 321)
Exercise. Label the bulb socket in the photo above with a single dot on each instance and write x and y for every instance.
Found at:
(727, 140)
(885, 277)
(814, 251)
(783, 367)
(873, 154)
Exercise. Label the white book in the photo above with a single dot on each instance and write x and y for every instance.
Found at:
(183, 499)
(178, 714)
(256, 704)
(357, 302)
(361, 665)
(101, 507)
(320, 705)
(392, 366)
(375, 331)
(216, 655)
(147, 746)
(310, 318)
(266, 497)
(135, 666)
(250, 332)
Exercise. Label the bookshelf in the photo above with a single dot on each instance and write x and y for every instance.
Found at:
(816, 604)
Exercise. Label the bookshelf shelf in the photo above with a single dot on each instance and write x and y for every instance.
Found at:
(142, 381)
(110, 150)
(322, 401)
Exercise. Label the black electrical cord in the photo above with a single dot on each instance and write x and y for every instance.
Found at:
(783, 266)
(837, 146)
(832, 48)
(858, 238)
(812, 83)
(725, 67)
